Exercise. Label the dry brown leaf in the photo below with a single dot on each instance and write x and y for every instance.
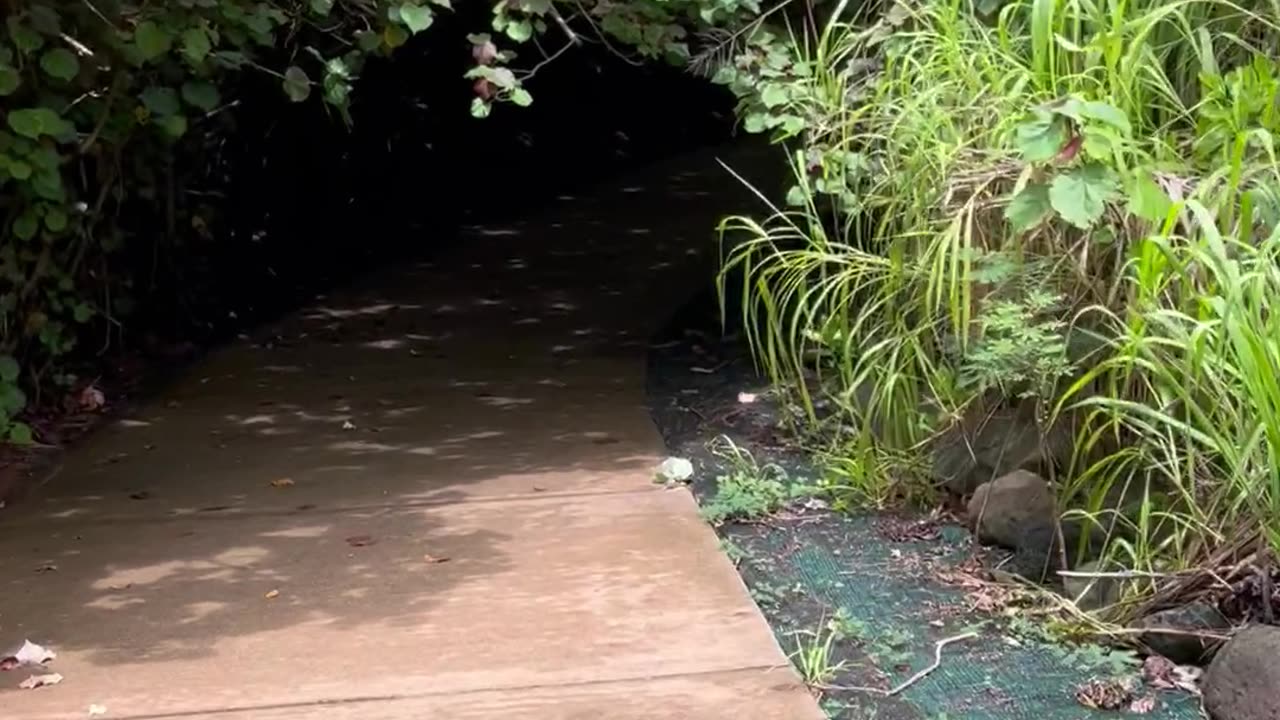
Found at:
(272, 595)
(1104, 694)
(434, 560)
(1159, 671)
(39, 681)
(1143, 705)
(360, 540)
(282, 483)
(96, 710)
(91, 399)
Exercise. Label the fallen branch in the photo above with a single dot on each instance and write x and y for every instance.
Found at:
(937, 661)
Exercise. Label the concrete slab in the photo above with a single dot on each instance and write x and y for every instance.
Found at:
(378, 509)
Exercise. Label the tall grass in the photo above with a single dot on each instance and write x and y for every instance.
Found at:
(923, 303)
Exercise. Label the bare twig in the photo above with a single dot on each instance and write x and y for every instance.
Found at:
(937, 661)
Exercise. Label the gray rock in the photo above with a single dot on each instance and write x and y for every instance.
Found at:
(975, 451)
(1011, 508)
(1039, 556)
(1091, 593)
(1243, 681)
(1185, 649)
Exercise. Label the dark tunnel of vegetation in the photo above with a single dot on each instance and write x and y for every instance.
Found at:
(307, 201)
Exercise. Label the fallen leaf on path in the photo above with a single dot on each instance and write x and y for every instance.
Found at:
(97, 710)
(29, 654)
(91, 399)
(1143, 705)
(348, 425)
(39, 681)
(1104, 694)
(47, 567)
(434, 560)
(360, 540)
(747, 398)
(1162, 673)
(272, 595)
(282, 482)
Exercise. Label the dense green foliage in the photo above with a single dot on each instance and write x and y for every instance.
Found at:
(1068, 205)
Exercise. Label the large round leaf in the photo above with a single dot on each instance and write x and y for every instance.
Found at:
(296, 83)
(60, 63)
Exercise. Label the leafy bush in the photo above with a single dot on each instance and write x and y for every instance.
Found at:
(1060, 202)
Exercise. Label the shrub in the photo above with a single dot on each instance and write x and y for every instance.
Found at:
(1027, 199)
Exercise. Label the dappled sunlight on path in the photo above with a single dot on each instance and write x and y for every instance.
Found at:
(429, 493)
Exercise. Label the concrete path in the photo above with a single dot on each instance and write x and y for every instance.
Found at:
(428, 497)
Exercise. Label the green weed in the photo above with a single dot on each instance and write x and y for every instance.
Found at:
(748, 491)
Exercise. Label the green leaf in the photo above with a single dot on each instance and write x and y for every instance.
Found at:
(26, 226)
(9, 369)
(368, 40)
(1029, 207)
(44, 158)
(755, 123)
(416, 17)
(12, 399)
(1042, 137)
(1081, 110)
(1108, 114)
(152, 40)
(1147, 199)
(82, 313)
(20, 170)
(773, 95)
(296, 83)
(56, 220)
(9, 80)
(174, 125)
(35, 122)
(60, 63)
(20, 434)
(1080, 194)
(200, 94)
(48, 185)
(395, 36)
(521, 97)
(160, 100)
(26, 39)
(196, 45)
(479, 108)
(520, 30)
(321, 7)
(796, 196)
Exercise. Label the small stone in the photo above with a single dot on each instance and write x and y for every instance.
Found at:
(1243, 681)
(674, 470)
(1008, 509)
(1185, 649)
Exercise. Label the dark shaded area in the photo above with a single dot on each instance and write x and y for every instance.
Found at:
(306, 202)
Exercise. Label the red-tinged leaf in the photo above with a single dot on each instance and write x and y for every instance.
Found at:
(1071, 149)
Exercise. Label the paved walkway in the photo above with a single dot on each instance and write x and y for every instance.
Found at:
(426, 497)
